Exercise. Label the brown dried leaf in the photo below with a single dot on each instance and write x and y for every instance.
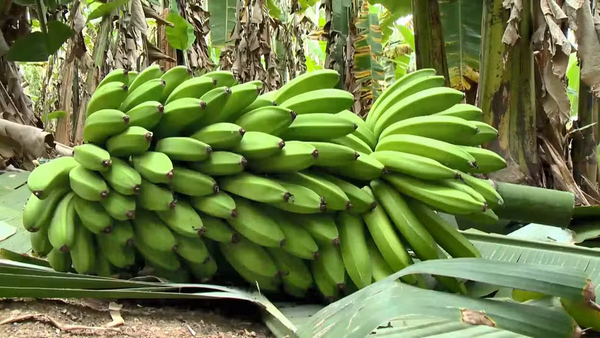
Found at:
(511, 33)
(138, 18)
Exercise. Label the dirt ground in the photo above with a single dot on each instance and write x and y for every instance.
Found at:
(20, 318)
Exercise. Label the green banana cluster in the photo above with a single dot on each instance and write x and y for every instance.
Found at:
(197, 177)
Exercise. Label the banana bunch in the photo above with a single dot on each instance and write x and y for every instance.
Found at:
(199, 177)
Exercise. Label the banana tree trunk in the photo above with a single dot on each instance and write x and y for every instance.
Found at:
(429, 37)
(585, 160)
(506, 91)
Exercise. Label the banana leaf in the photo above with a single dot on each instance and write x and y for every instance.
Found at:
(515, 250)
(461, 20)
(28, 280)
(222, 21)
(362, 312)
(413, 326)
(395, 9)
(367, 69)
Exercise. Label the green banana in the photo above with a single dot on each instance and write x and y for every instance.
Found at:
(390, 93)
(487, 160)
(50, 176)
(294, 271)
(154, 197)
(38, 213)
(417, 86)
(270, 120)
(253, 263)
(332, 155)
(242, 96)
(151, 72)
(360, 200)
(328, 288)
(131, 76)
(255, 188)
(146, 114)
(151, 231)
(257, 145)
(215, 100)
(59, 261)
(307, 82)
(380, 269)
(88, 184)
(61, 231)
(117, 75)
(444, 128)
(486, 133)
(321, 227)
(353, 142)
(92, 157)
(417, 236)
(173, 78)
(192, 249)
(220, 136)
(363, 131)
(133, 141)
(295, 156)
(104, 124)
(122, 177)
(92, 215)
(387, 241)
(464, 111)
(334, 196)
(167, 260)
(304, 200)
(219, 205)
(183, 149)
(40, 243)
(461, 186)
(353, 246)
(154, 166)
(109, 96)
(318, 127)
(193, 88)
(425, 102)
(117, 254)
(485, 188)
(178, 115)
(323, 101)
(102, 266)
(120, 207)
(330, 266)
(122, 233)
(193, 183)
(256, 225)
(446, 153)
(298, 240)
(83, 251)
(487, 217)
(440, 197)
(148, 91)
(260, 102)
(182, 220)
(366, 167)
(417, 166)
(223, 77)
(221, 163)
(217, 230)
(205, 271)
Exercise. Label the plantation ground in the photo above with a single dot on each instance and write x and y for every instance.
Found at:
(143, 321)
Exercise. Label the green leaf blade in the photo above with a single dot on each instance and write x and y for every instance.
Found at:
(181, 36)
